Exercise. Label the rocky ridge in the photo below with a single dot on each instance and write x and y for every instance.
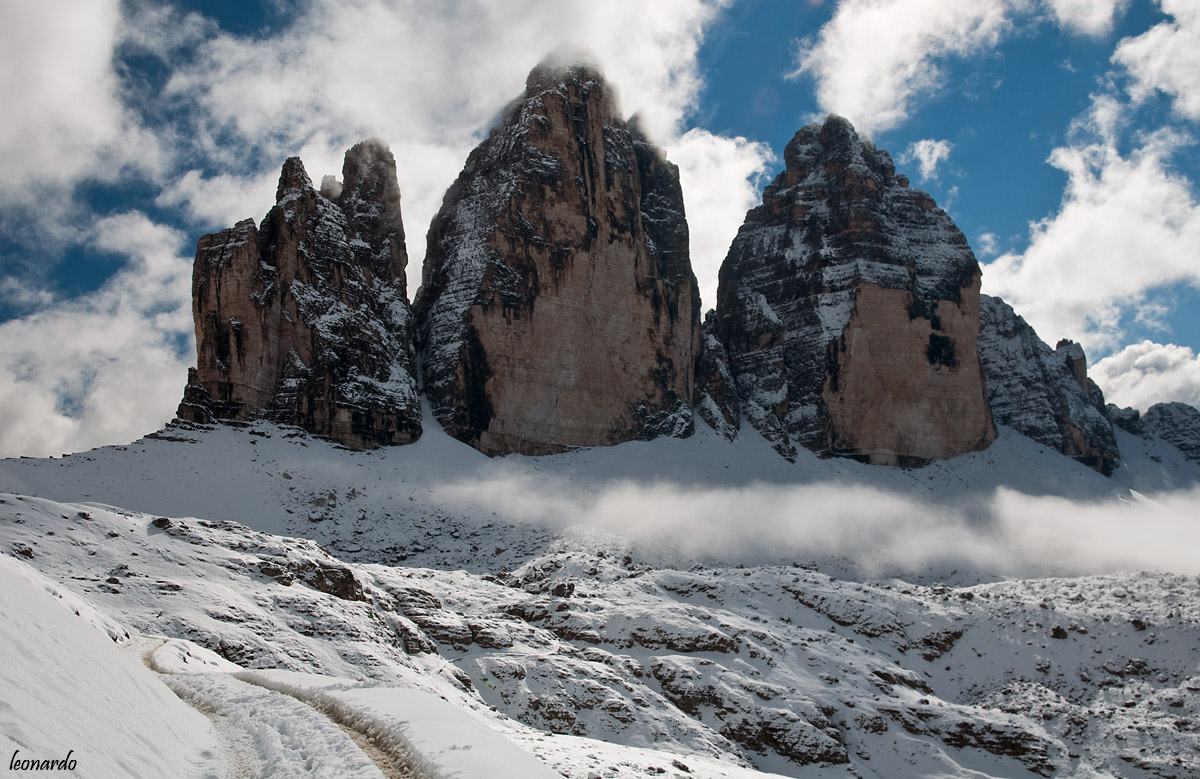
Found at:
(558, 306)
(1176, 423)
(1041, 392)
(849, 308)
(304, 319)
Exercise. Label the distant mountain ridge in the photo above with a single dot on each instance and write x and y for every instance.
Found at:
(558, 307)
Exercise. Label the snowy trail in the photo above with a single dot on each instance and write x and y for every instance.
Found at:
(239, 757)
(264, 732)
(394, 758)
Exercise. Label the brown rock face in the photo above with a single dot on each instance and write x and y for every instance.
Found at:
(849, 309)
(900, 389)
(558, 306)
(305, 320)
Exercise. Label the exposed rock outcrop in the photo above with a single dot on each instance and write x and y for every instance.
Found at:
(849, 307)
(305, 319)
(1041, 392)
(558, 306)
(1128, 419)
(716, 399)
(1177, 424)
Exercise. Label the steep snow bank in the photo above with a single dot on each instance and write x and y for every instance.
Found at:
(68, 690)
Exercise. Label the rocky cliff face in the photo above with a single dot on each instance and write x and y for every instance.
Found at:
(1177, 424)
(1041, 392)
(305, 319)
(558, 306)
(849, 307)
(716, 398)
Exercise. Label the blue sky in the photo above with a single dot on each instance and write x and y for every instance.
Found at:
(1059, 134)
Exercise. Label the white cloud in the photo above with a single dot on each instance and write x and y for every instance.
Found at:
(22, 295)
(928, 154)
(1087, 17)
(1146, 373)
(64, 118)
(222, 200)
(875, 59)
(1128, 223)
(104, 368)
(988, 245)
(1167, 58)
(1006, 532)
(721, 181)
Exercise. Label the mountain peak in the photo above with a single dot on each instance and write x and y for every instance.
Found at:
(559, 307)
(849, 306)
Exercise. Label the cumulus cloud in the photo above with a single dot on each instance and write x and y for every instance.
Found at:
(877, 60)
(1146, 373)
(221, 200)
(928, 154)
(1128, 223)
(1167, 58)
(65, 121)
(1007, 532)
(108, 367)
(987, 245)
(21, 295)
(1087, 17)
(721, 179)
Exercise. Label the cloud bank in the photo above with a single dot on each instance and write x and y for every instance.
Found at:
(1006, 533)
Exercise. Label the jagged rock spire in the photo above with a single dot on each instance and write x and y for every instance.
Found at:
(305, 319)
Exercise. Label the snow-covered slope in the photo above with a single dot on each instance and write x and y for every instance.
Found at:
(69, 693)
(691, 607)
(732, 501)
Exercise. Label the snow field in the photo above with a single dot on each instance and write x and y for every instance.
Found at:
(68, 687)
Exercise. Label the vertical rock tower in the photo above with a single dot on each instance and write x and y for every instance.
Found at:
(849, 307)
(558, 306)
(305, 319)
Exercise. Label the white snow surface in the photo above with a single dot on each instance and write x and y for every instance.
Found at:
(685, 608)
(67, 687)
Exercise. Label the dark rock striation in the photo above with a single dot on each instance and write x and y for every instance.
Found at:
(1041, 392)
(304, 319)
(849, 308)
(558, 306)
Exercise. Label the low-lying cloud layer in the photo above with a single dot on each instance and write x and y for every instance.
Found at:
(876, 531)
